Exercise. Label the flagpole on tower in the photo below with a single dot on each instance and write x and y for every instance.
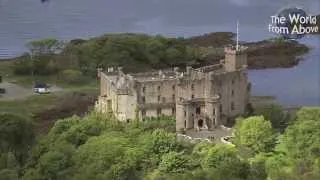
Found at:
(237, 46)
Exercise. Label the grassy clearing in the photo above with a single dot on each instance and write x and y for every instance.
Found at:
(32, 104)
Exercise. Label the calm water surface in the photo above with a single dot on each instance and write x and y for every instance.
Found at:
(24, 20)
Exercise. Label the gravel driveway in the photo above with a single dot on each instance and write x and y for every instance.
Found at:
(14, 91)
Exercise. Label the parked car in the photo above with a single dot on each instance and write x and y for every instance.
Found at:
(41, 88)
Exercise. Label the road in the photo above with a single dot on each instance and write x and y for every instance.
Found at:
(16, 92)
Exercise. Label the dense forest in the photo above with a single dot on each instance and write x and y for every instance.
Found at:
(268, 145)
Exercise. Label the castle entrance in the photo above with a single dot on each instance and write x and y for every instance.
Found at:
(200, 123)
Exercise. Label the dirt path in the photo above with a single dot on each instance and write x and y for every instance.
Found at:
(16, 92)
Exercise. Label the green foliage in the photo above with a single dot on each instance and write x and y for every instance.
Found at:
(219, 155)
(173, 162)
(274, 114)
(225, 161)
(309, 113)
(164, 122)
(257, 167)
(38, 65)
(72, 76)
(45, 46)
(298, 151)
(99, 147)
(8, 174)
(256, 134)
(23, 66)
(301, 140)
(8, 161)
(162, 142)
(16, 135)
(135, 51)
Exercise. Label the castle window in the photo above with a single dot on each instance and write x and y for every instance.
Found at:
(143, 99)
(232, 106)
(232, 93)
(192, 86)
(159, 112)
(192, 97)
(173, 111)
(173, 97)
(159, 98)
(214, 112)
(185, 113)
(232, 81)
(198, 110)
(174, 87)
(143, 89)
(159, 88)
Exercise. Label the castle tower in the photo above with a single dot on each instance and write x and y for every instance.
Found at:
(235, 56)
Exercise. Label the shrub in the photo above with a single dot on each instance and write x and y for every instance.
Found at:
(72, 76)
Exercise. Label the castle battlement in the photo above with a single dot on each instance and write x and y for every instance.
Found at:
(234, 50)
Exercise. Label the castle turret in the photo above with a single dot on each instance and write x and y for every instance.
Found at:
(235, 58)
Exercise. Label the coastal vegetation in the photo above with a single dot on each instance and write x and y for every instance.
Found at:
(97, 146)
(73, 62)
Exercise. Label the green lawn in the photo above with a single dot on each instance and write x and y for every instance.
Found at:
(32, 104)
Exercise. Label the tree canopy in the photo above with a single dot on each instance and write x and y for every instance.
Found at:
(99, 147)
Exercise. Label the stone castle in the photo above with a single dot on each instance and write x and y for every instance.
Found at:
(198, 98)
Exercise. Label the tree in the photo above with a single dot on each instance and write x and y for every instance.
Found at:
(309, 113)
(45, 46)
(16, 135)
(8, 174)
(162, 142)
(274, 113)
(173, 162)
(72, 76)
(256, 134)
(297, 155)
(223, 159)
(301, 140)
(257, 167)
